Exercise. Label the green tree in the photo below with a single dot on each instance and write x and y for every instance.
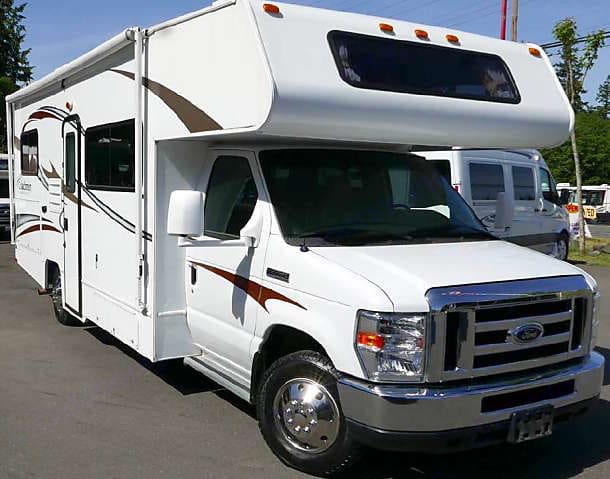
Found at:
(575, 64)
(15, 68)
(593, 142)
(603, 98)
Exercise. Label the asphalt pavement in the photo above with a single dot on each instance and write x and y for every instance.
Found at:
(75, 403)
(600, 231)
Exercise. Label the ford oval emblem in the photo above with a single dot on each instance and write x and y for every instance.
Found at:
(526, 333)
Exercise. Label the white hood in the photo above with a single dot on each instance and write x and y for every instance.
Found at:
(406, 273)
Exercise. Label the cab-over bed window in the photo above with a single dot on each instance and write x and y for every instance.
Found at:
(386, 64)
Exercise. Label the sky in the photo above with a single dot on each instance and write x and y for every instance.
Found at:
(60, 30)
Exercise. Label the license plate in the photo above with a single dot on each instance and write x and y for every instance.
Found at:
(531, 424)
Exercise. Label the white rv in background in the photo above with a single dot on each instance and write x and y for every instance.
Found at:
(539, 220)
(235, 187)
(596, 197)
(5, 214)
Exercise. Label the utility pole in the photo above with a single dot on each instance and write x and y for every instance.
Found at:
(503, 24)
(515, 20)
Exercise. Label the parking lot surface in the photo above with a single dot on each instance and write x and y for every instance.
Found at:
(75, 403)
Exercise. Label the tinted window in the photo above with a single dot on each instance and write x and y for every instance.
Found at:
(110, 156)
(406, 67)
(444, 168)
(29, 153)
(4, 193)
(350, 197)
(70, 145)
(3, 164)
(523, 183)
(592, 197)
(486, 181)
(231, 197)
(548, 186)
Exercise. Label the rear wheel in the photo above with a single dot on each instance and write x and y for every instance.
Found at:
(61, 314)
(300, 415)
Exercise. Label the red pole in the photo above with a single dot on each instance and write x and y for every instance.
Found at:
(503, 24)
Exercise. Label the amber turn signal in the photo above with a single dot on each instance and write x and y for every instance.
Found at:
(370, 340)
(270, 8)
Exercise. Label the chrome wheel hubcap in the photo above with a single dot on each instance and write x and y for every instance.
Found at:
(307, 415)
(561, 249)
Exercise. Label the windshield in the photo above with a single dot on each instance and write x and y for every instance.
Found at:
(350, 197)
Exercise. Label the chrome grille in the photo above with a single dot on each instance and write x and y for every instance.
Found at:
(472, 326)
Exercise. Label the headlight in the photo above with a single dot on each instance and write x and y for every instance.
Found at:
(595, 320)
(391, 345)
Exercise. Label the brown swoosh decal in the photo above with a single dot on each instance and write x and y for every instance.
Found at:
(73, 199)
(193, 118)
(50, 174)
(38, 227)
(259, 293)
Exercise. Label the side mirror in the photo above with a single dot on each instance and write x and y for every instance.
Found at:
(505, 212)
(185, 213)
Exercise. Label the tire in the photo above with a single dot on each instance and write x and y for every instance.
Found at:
(62, 316)
(562, 247)
(334, 450)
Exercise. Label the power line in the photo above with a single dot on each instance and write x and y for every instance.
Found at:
(557, 44)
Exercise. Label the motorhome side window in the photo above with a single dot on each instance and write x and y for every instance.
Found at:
(486, 181)
(230, 198)
(29, 153)
(110, 156)
(524, 186)
(400, 66)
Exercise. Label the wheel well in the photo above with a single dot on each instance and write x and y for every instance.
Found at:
(279, 341)
(51, 272)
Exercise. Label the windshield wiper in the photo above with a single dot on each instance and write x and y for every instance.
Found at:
(353, 236)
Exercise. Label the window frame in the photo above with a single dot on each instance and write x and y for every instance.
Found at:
(70, 182)
(365, 86)
(29, 132)
(229, 154)
(514, 186)
(486, 163)
(94, 128)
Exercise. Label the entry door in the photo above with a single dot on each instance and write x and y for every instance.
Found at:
(71, 194)
(223, 282)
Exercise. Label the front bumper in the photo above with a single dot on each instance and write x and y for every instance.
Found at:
(414, 417)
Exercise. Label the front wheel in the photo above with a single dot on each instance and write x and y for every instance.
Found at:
(300, 415)
(562, 247)
(61, 314)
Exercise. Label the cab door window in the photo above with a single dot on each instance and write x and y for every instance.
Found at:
(230, 198)
(548, 186)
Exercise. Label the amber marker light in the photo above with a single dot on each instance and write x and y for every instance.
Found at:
(386, 27)
(422, 34)
(452, 38)
(535, 52)
(270, 8)
(370, 340)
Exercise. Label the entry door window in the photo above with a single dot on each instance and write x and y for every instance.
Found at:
(230, 199)
(70, 162)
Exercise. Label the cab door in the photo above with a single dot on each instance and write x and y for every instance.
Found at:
(71, 216)
(554, 218)
(224, 282)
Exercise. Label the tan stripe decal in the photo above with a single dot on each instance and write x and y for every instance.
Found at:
(193, 118)
(259, 293)
(73, 199)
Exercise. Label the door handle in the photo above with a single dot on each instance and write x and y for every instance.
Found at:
(65, 224)
(543, 210)
(44, 209)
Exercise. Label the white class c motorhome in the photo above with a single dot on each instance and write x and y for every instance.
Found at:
(4, 195)
(539, 219)
(235, 187)
(594, 196)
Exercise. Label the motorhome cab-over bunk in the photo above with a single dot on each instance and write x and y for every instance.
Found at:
(236, 187)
